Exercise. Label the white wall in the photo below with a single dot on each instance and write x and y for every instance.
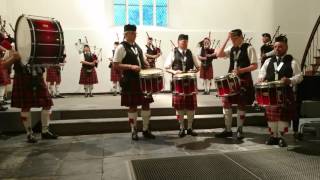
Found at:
(94, 19)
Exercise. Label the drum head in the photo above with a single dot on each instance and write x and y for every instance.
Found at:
(23, 39)
(185, 76)
(154, 72)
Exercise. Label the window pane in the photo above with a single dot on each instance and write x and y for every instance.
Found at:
(133, 13)
(147, 15)
(119, 15)
(161, 16)
(133, 2)
(161, 2)
(147, 2)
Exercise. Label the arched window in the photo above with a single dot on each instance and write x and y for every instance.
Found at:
(141, 12)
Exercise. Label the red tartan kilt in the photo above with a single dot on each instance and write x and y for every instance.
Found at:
(4, 77)
(134, 96)
(184, 102)
(244, 98)
(115, 75)
(88, 78)
(206, 73)
(286, 112)
(23, 95)
(53, 75)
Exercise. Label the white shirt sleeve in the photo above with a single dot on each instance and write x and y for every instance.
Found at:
(263, 69)
(297, 74)
(119, 54)
(252, 55)
(227, 51)
(82, 57)
(169, 60)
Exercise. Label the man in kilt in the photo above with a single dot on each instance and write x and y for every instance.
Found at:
(129, 59)
(115, 73)
(206, 55)
(88, 74)
(181, 60)
(151, 53)
(29, 90)
(243, 60)
(53, 79)
(281, 67)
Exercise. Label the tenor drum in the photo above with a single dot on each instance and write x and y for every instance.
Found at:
(185, 84)
(151, 80)
(228, 85)
(270, 93)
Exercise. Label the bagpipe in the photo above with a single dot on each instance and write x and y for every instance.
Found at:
(96, 52)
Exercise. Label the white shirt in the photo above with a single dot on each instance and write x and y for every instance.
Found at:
(250, 51)
(170, 59)
(120, 53)
(296, 77)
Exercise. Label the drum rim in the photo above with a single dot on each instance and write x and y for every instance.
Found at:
(224, 77)
(269, 84)
(186, 76)
(157, 74)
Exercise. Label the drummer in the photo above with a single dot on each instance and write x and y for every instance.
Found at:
(243, 60)
(281, 67)
(129, 59)
(181, 60)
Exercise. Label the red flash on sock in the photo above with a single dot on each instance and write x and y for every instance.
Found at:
(23, 119)
(130, 121)
(242, 117)
(286, 129)
(178, 117)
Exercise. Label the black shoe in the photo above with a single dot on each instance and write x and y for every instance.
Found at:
(3, 108)
(298, 136)
(282, 143)
(134, 136)
(49, 135)
(91, 95)
(224, 134)
(86, 95)
(272, 141)
(3, 103)
(240, 133)
(182, 133)
(114, 94)
(147, 134)
(204, 93)
(191, 132)
(59, 96)
(31, 139)
(208, 93)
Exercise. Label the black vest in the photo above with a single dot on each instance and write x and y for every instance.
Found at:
(243, 59)
(285, 71)
(88, 57)
(178, 60)
(151, 51)
(132, 58)
(209, 60)
(263, 50)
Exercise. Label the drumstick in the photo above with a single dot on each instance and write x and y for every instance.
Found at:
(86, 40)
(11, 27)
(118, 37)
(173, 44)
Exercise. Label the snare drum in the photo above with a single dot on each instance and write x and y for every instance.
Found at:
(228, 85)
(185, 84)
(270, 93)
(39, 40)
(151, 80)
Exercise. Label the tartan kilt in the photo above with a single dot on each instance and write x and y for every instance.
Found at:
(4, 77)
(53, 75)
(133, 95)
(88, 78)
(245, 97)
(184, 102)
(23, 95)
(287, 112)
(115, 75)
(206, 72)
(152, 63)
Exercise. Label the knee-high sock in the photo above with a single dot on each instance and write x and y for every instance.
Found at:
(180, 118)
(282, 128)
(190, 117)
(45, 118)
(90, 88)
(133, 120)
(205, 85)
(57, 89)
(273, 128)
(26, 121)
(209, 85)
(227, 118)
(86, 89)
(241, 115)
(145, 114)
(2, 91)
